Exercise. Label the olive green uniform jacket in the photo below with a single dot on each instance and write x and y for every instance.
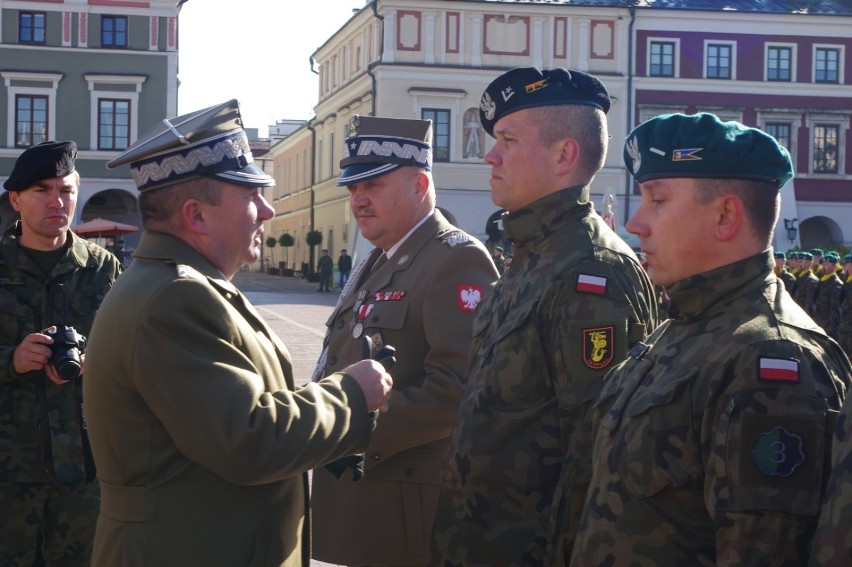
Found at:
(422, 303)
(715, 434)
(41, 427)
(200, 437)
(568, 308)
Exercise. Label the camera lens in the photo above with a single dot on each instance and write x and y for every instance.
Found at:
(68, 369)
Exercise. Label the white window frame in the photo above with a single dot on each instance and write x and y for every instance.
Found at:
(733, 46)
(793, 58)
(675, 62)
(793, 118)
(830, 119)
(841, 59)
(47, 91)
(96, 92)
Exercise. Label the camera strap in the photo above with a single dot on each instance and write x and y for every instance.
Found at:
(66, 456)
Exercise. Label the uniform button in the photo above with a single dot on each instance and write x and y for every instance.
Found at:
(340, 324)
(409, 471)
(375, 318)
(332, 360)
(377, 457)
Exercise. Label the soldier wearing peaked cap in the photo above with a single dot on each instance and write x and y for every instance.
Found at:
(49, 277)
(417, 291)
(567, 309)
(201, 438)
(710, 445)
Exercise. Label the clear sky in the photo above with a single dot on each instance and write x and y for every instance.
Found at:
(256, 51)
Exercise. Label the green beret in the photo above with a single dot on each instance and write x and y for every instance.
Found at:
(816, 251)
(701, 145)
(792, 254)
(806, 256)
(42, 161)
(780, 255)
(847, 259)
(528, 87)
(832, 256)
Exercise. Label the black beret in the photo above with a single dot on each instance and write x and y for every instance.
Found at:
(527, 87)
(701, 145)
(42, 161)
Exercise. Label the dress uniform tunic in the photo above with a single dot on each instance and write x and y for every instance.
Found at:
(421, 302)
(714, 434)
(200, 437)
(573, 301)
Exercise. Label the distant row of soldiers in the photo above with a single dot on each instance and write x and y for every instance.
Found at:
(821, 283)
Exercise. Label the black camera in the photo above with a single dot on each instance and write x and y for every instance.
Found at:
(67, 346)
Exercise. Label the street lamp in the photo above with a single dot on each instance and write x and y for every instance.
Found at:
(792, 231)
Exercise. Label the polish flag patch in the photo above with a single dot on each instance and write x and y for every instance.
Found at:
(469, 297)
(591, 284)
(778, 369)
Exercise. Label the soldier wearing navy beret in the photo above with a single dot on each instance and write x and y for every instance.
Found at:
(202, 440)
(49, 277)
(569, 307)
(710, 436)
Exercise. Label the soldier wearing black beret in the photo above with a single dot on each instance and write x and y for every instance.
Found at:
(567, 309)
(49, 278)
(710, 446)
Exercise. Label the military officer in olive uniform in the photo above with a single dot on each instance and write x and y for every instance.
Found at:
(568, 308)
(711, 437)
(416, 291)
(202, 440)
(48, 277)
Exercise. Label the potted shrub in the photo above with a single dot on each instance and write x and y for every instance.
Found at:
(270, 243)
(286, 240)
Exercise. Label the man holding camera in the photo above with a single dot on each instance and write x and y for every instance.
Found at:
(51, 285)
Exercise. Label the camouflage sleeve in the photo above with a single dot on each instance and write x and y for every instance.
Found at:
(592, 330)
(765, 445)
(833, 541)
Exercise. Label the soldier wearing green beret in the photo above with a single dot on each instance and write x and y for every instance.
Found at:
(844, 315)
(710, 446)
(816, 261)
(827, 296)
(49, 277)
(782, 272)
(567, 309)
(804, 291)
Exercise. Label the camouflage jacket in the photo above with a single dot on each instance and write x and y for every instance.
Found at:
(832, 546)
(805, 290)
(844, 317)
(827, 302)
(788, 278)
(713, 435)
(564, 312)
(40, 422)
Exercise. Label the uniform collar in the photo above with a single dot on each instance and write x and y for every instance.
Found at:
(173, 250)
(702, 294)
(533, 220)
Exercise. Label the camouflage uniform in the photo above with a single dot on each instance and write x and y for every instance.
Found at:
(844, 317)
(833, 541)
(788, 278)
(711, 444)
(826, 302)
(570, 305)
(47, 465)
(805, 290)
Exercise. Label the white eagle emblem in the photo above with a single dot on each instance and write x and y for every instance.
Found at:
(469, 297)
(487, 106)
(633, 152)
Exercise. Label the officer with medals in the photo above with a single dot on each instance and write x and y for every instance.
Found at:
(711, 437)
(417, 291)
